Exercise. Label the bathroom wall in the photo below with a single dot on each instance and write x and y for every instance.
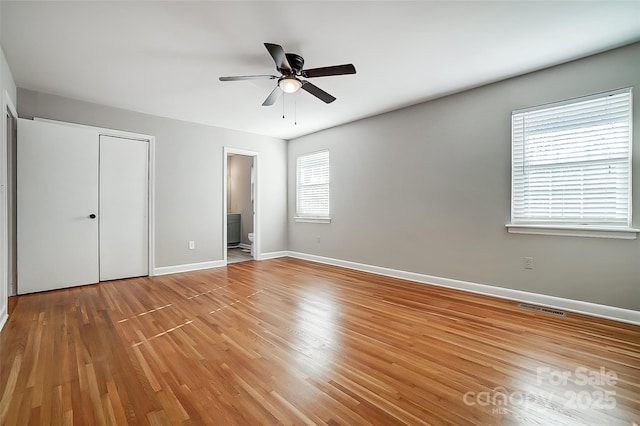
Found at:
(239, 192)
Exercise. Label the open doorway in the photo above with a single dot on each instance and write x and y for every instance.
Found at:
(240, 205)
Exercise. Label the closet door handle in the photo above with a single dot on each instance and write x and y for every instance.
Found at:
(92, 216)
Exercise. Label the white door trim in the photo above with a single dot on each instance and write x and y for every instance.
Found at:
(7, 107)
(256, 199)
(152, 176)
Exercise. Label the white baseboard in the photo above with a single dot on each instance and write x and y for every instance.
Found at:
(272, 255)
(240, 245)
(3, 317)
(588, 308)
(164, 270)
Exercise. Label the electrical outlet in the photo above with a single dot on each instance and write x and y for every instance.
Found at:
(528, 263)
(318, 239)
(192, 245)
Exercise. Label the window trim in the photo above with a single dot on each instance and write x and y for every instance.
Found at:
(309, 219)
(312, 218)
(575, 230)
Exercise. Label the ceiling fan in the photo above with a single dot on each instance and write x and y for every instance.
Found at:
(289, 65)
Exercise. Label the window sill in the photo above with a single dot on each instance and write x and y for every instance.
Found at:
(575, 231)
(312, 219)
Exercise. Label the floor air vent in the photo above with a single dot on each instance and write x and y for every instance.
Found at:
(544, 310)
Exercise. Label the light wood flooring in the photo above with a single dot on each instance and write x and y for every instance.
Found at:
(286, 341)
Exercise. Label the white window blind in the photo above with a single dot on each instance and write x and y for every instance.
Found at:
(312, 191)
(571, 162)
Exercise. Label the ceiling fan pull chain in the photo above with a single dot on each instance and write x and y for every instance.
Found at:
(295, 111)
(283, 106)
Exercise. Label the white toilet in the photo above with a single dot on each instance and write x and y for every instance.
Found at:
(250, 236)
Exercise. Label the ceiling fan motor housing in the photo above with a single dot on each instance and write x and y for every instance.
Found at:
(296, 62)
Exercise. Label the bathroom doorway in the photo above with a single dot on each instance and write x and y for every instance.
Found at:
(240, 213)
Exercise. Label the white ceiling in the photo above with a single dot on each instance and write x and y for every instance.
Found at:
(164, 58)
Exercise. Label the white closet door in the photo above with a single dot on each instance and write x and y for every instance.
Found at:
(124, 208)
(57, 177)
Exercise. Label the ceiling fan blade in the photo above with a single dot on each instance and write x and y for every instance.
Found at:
(278, 55)
(327, 71)
(247, 77)
(273, 97)
(317, 92)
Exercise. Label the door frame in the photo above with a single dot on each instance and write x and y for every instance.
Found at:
(256, 199)
(8, 108)
(9, 147)
(101, 131)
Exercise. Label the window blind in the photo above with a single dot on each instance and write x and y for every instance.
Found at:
(312, 192)
(571, 162)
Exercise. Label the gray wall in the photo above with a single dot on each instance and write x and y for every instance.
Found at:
(239, 192)
(426, 189)
(189, 175)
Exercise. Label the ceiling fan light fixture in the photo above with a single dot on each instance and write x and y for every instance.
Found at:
(289, 84)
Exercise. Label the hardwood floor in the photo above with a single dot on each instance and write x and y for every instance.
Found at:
(286, 341)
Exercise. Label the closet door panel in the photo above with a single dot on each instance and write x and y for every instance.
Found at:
(124, 208)
(57, 177)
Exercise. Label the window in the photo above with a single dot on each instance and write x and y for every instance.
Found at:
(312, 187)
(571, 165)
